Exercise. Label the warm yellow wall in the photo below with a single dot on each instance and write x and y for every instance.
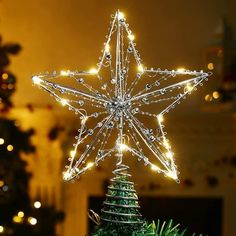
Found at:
(57, 34)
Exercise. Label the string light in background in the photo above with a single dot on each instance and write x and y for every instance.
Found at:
(10, 148)
(37, 204)
(32, 221)
(2, 229)
(209, 97)
(21, 214)
(216, 94)
(18, 220)
(1, 183)
(2, 141)
(210, 66)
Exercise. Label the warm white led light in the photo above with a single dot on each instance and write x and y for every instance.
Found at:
(140, 68)
(93, 71)
(2, 141)
(36, 80)
(37, 204)
(155, 168)
(21, 214)
(160, 118)
(64, 72)
(169, 155)
(72, 153)
(172, 175)
(2, 229)
(64, 102)
(122, 146)
(166, 143)
(32, 220)
(107, 48)
(121, 15)
(66, 175)
(181, 70)
(89, 165)
(131, 37)
(189, 87)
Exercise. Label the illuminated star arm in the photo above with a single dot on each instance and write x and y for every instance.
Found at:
(78, 167)
(58, 92)
(193, 82)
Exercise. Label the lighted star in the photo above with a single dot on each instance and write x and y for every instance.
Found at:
(121, 104)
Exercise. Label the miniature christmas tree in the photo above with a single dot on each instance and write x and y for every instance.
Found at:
(121, 207)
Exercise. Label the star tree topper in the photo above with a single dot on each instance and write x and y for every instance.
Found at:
(123, 109)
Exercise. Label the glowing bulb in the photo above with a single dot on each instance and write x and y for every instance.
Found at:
(10, 148)
(5, 76)
(107, 48)
(66, 175)
(64, 72)
(160, 118)
(64, 102)
(121, 15)
(89, 165)
(208, 98)
(36, 80)
(166, 143)
(17, 219)
(1, 229)
(172, 175)
(140, 68)
(188, 88)
(123, 147)
(93, 71)
(2, 141)
(21, 214)
(210, 66)
(72, 153)
(32, 220)
(169, 155)
(131, 37)
(181, 70)
(1, 183)
(155, 168)
(216, 94)
(37, 204)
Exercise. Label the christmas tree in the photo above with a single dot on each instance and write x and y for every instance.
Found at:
(19, 217)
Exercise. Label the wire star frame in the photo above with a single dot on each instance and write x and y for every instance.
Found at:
(124, 100)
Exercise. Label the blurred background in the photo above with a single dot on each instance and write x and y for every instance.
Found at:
(36, 134)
